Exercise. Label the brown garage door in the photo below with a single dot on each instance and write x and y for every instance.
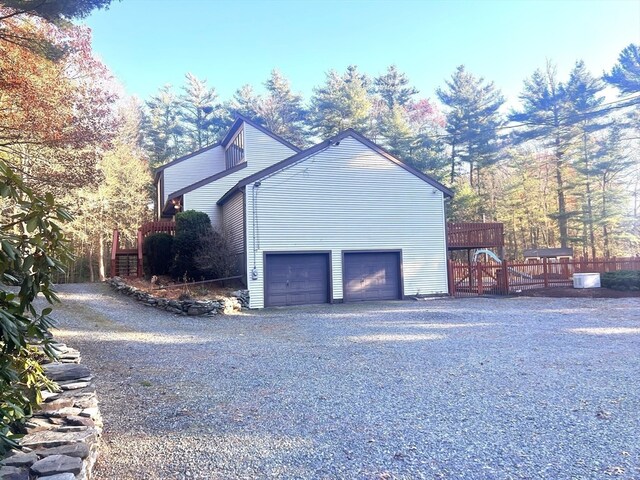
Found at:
(296, 279)
(371, 276)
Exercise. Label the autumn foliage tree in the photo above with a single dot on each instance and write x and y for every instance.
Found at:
(55, 114)
(50, 123)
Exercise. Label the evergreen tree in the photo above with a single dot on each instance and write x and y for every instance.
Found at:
(162, 131)
(545, 115)
(626, 73)
(344, 101)
(612, 168)
(399, 136)
(282, 111)
(246, 103)
(583, 96)
(472, 121)
(201, 113)
(394, 88)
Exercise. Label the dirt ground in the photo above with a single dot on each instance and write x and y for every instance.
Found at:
(570, 292)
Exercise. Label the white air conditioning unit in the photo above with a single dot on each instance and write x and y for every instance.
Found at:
(586, 280)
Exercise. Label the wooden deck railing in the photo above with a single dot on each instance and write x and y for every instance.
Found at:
(159, 226)
(123, 259)
(474, 235)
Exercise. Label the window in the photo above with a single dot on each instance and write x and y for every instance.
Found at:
(234, 154)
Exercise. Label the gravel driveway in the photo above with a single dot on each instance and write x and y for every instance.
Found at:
(469, 388)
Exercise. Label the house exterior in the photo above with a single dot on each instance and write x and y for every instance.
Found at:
(341, 221)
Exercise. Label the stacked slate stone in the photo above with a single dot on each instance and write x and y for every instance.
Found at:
(227, 305)
(62, 436)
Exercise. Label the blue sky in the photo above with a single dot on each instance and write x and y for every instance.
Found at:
(151, 43)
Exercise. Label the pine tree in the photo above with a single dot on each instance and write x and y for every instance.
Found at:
(626, 73)
(545, 115)
(612, 168)
(200, 112)
(162, 130)
(282, 111)
(394, 88)
(246, 103)
(583, 97)
(472, 121)
(344, 101)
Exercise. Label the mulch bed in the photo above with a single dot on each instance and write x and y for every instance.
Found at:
(196, 292)
(560, 292)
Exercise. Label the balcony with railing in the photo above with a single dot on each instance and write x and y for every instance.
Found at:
(462, 236)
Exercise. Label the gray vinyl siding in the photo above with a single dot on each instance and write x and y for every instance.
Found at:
(348, 197)
(233, 220)
(192, 170)
(261, 151)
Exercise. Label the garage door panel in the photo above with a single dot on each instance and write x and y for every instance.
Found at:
(371, 276)
(296, 279)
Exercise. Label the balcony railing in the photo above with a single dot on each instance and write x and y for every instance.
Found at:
(474, 235)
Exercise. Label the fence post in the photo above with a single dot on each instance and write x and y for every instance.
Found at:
(452, 282)
(505, 276)
(545, 272)
(565, 269)
(479, 272)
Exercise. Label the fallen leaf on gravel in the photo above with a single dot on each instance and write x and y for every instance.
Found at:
(603, 415)
(614, 471)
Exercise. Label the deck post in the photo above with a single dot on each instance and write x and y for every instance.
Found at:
(452, 281)
(545, 271)
(139, 266)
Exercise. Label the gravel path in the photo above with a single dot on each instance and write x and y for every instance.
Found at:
(470, 388)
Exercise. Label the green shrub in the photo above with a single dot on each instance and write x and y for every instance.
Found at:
(157, 250)
(191, 227)
(621, 280)
(33, 248)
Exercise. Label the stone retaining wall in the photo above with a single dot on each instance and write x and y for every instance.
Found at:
(234, 303)
(63, 435)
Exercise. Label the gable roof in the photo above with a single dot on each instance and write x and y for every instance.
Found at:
(185, 157)
(240, 119)
(324, 145)
(237, 124)
(204, 181)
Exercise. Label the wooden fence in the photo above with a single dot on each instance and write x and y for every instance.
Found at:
(492, 278)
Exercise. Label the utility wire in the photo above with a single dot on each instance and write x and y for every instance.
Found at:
(572, 119)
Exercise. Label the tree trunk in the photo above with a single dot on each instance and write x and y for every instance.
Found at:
(101, 266)
(453, 163)
(562, 202)
(592, 238)
(605, 229)
(91, 272)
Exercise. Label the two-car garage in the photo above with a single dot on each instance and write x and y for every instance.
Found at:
(305, 278)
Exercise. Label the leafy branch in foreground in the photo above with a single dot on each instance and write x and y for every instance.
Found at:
(32, 248)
